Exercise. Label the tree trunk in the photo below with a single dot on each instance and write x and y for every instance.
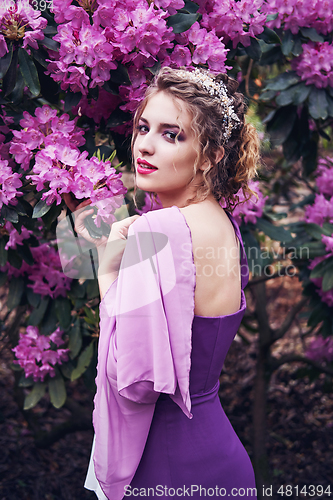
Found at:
(260, 391)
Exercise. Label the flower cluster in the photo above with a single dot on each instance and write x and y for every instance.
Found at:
(20, 21)
(53, 142)
(236, 21)
(38, 354)
(97, 35)
(320, 349)
(252, 208)
(46, 274)
(9, 184)
(295, 14)
(322, 211)
(315, 64)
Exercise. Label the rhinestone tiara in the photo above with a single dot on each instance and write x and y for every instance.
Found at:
(219, 92)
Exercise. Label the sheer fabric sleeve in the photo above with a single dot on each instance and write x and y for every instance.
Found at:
(145, 343)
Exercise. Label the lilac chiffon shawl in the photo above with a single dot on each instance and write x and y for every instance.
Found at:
(145, 343)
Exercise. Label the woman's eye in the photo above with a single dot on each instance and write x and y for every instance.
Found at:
(142, 129)
(170, 135)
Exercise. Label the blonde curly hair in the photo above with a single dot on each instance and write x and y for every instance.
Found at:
(241, 158)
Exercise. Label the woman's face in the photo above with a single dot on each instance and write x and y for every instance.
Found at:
(162, 120)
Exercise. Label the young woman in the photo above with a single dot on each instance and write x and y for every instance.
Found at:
(168, 317)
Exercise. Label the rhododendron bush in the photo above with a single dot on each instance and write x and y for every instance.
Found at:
(72, 74)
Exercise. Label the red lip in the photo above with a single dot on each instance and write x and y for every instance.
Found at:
(144, 162)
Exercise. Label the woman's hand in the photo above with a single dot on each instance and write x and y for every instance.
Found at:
(113, 253)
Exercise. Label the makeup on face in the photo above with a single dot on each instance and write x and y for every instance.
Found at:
(166, 146)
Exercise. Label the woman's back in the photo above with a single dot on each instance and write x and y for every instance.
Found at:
(216, 257)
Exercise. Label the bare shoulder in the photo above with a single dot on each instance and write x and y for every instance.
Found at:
(207, 220)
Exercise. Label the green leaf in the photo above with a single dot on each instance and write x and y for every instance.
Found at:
(33, 298)
(254, 50)
(297, 48)
(327, 283)
(66, 369)
(57, 391)
(271, 17)
(327, 229)
(29, 72)
(49, 43)
(271, 56)
(287, 43)
(71, 100)
(92, 289)
(281, 125)
(37, 314)
(182, 22)
(312, 34)
(277, 233)
(330, 105)
(282, 81)
(3, 252)
(34, 396)
(310, 250)
(120, 75)
(118, 117)
(75, 339)
(25, 252)
(25, 382)
(267, 96)
(314, 230)
(50, 320)
(16, 289)
(5, 61)
(41, 208)
(17, 95)
(269, 36)
(14, 259)
(23, 207)
(83, 362)
(253, 253)
(9, 214)
(9, 79)
(63, 309)
(190, 7)
(40, 56)
(310, 153)
(318, 105)
(300, 93)
(319, 270)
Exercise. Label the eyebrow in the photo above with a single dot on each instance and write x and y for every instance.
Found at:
(163, 125)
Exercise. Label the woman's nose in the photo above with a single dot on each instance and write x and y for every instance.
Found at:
(146, 144)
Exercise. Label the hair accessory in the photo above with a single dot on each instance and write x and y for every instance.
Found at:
(219, 92)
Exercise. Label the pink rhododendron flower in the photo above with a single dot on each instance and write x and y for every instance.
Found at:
(20, 21)
(36, 355)
(315, 64)
(9, 184)
(16, 238)
(295, 14)
(58, 164)
(320, 349)
(252, 208)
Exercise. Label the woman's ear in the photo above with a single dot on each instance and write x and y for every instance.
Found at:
(219, 154)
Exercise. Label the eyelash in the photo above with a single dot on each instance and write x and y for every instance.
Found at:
(140, 129)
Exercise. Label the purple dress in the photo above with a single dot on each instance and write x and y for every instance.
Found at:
(201, 456)
(160, 430)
